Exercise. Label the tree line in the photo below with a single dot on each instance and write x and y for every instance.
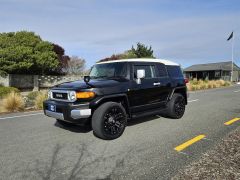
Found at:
(25, 52)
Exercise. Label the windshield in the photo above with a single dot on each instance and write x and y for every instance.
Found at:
(109, 70)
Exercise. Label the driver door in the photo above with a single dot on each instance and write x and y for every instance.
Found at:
(147, 94)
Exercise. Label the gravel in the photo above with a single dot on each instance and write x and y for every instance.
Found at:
(222, 162)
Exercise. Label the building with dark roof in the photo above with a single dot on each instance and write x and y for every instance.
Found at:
(212, 71)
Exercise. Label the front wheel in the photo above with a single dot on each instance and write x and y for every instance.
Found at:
(176, 106)
(109, 120)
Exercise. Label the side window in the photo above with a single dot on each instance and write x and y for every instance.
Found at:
(150, 71)
(162, 71)
(175, 71)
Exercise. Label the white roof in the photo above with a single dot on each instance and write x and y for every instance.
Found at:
(163, 61)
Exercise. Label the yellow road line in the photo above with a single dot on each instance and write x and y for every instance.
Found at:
(189, 142)
(231, 121)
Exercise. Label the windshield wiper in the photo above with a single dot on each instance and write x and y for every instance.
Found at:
(117, 77)
(108, 77)
(98, 77)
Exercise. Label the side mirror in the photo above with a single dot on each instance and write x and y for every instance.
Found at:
(140, 75)
(86, 79)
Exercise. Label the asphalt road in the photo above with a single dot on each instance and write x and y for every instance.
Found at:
(33, 146)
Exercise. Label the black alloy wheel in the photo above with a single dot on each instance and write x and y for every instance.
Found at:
(179, 106)
(114, 121)
(175, 107)
(109, 120)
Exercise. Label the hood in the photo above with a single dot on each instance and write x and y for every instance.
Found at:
(93, 83)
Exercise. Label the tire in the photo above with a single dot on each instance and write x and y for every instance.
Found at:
(176, 106)
(109, 121)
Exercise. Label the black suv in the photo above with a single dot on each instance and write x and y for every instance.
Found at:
(116, 91)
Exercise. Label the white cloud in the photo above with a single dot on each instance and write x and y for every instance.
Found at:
(94, 29)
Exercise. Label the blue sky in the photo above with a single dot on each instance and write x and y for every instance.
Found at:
(188, 32)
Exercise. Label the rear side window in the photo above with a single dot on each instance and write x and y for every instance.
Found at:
(162, 71)
(149, 70)
(174, 71)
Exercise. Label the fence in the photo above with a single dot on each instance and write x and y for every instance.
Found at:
(35, 82)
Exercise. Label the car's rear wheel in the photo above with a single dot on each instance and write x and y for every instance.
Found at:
(176, 106)
(109, 120)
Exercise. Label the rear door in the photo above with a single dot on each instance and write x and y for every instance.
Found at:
(164, 82)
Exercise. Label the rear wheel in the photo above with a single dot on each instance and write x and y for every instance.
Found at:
(176, 106)
(109, 120)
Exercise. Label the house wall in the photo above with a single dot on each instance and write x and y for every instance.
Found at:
(236, 76)
(211, 75)
(201, 75)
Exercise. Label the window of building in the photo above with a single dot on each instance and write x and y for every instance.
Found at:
(217, 73)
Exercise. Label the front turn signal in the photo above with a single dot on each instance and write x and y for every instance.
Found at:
(85, 95)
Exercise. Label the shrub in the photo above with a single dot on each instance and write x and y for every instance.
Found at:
(203, 86)
(6, 90)
(194, 87)
(194, 81)
(32, 95)
(42, 96)
(13, 102)
(210, 84)
(206, 84)
(227, 83)
(30, 98)
(189, 87)
(220, 82)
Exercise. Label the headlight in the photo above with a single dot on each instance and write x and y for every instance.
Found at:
(72, 96)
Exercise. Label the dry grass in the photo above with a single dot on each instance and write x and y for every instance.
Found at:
(12, 102)
(195, 84)
(41, 96)
(222, 162)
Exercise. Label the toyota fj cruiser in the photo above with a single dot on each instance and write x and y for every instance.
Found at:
(117, 91)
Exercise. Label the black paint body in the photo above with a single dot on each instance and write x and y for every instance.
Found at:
(136, 98)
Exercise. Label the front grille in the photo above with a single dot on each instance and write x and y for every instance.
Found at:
(60, 95)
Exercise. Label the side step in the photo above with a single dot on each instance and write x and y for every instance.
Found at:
(148, 113)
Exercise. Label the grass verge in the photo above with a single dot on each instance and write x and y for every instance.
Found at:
(222, 162)
(4, 91)
(41, 96)
(195, 84)
(12, 102)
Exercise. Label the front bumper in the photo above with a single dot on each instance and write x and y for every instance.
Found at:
(74, 113)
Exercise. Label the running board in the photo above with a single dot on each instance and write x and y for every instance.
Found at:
(148, 113)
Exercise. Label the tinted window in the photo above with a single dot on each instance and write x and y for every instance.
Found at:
(109, 70)
(162, 72)
(149, 70)
(175, 71)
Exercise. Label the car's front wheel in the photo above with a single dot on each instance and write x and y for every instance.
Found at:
(109, 120)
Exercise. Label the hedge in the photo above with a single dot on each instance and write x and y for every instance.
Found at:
(6, 90)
